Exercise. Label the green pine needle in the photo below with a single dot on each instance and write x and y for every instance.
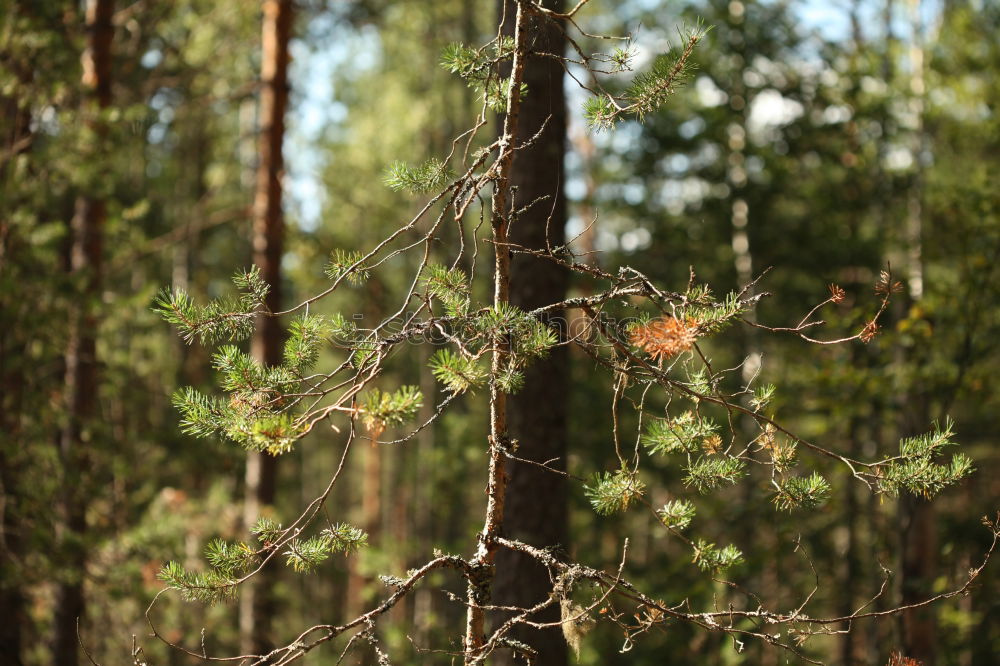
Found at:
(430, 175)
(916, 471)
(383, 410)
(677, 514)
(802, 492)
(710, 558)
(347, 263)
(708, 473)
(613, 492)
(686, 433)
(306, 337)
(457, 372)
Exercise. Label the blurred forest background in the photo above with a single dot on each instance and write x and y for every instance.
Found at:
(823, 139)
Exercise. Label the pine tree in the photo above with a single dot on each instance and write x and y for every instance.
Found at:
(537, 506)
(649, 336)
(257, 602)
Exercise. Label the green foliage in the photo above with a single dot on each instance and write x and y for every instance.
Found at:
(430, 175)
(253, 286)
(915, 470)
(710, 558)
(479, 68)
(528, 337)
(700, 383)
(601, 113)
(201, 415)
(494, 94)
(347, 263)
(450, 286)
(677, 514)
(762, 397)
(266, 530)
(383, 410)
(345, 538)
(231, 560)
(243, 374)
(343, 330)
(710, 315)
(613, 492)
(304, 555)
(272, 433)
(228, 561)
(802, 492)
(469, 63)
(532, 339)
(710, 472)
(649, 90)
(306, 336)
(208, 587)
(226, 319)
(456, 371)
(246, 418)
(510, 380)
(686, 432)
(621, 58)
(365, 351)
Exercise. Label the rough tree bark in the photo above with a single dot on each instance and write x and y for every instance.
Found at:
(536, 499)
(85, 260)
(482, 564)
(256, 598)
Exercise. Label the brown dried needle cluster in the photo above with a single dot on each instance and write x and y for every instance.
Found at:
(665, 337)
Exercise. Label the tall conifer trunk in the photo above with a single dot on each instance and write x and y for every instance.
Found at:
(536, 499)
(918, 522)
(16, 138)
(81, 382)
(257, 600)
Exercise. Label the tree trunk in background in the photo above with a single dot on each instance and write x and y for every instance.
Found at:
(15, 140)
(919, 529)
(536, 509)
(85, 260)
(372, 524)
(256, 598)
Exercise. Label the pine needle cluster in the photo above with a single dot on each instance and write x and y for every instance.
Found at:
(648, 90)
(227, 319)
(807, 492)
(614, 492)
(230, 562)
(481, 330)
(709, 472)
(480, 69)
(685, 433)
(677, 514)
(708, 557)
(915, 469)
(428, 176)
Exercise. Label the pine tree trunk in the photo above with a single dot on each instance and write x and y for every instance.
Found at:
(536, 510)
(257, 598)
(12, 599)
(919, 535)
(85, 261)
(15, 140)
